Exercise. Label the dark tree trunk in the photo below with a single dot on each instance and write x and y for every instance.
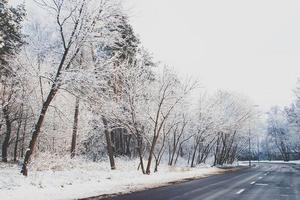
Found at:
(17, 140)
(216, 154)
(109, 144)
(174, 151)
(37, 129)
(53, 91)
(156, 165)
(141, 160)
(128, 139)
(75, 127)
(121, 142)
(5, 144)
(139, 149)
(194, 154)
(151, 154)
(23, 138)
(177, 154)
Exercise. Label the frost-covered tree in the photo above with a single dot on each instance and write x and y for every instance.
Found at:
(11, 88)
(237, 115)
(11, 37)
(168, 94)
(278, 129)
(14, 108)
(124, 110)
(76, 23)
(219, 127)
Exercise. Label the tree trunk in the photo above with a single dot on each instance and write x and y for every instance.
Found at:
(128, 139)
(75, 127)
(151, 155)
(194, 154)
(156, 165)
(54, 89)
(177, 154)
(23, 138)
(173, 152)
(217, 150)
(37, 129)
(5, 144)
(140, 143)
(109, 145)
(17, 140)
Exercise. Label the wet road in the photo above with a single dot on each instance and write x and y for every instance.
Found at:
(262, 182)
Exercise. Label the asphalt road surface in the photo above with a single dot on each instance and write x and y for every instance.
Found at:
(264, 181)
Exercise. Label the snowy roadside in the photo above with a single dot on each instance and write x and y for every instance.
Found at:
(82, 180)
(280, 161)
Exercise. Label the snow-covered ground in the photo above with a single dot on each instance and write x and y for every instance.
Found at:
(280, 161)
(246, 163)
(71, 179)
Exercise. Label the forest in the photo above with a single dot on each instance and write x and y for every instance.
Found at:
(77, 82)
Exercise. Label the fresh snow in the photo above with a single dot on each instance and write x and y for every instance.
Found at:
(72, 179)
(281, 161)
(255, 162)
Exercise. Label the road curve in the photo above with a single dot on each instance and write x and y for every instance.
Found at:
(262, 182)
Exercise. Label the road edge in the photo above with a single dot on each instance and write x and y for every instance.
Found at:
(109, 196)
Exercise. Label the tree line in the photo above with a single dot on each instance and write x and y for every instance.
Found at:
(282, 138)
(81, 84)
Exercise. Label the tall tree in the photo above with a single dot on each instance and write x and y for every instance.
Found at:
(76, 23)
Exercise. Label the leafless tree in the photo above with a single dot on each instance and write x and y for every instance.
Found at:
(75, 22)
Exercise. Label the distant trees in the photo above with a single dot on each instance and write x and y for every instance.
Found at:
(220, 127)
(177, 137)
(278, 129)
(282, 139)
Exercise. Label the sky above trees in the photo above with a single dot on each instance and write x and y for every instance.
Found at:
(248, 46)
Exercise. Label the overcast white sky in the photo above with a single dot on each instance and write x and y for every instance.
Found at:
(252, 47)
